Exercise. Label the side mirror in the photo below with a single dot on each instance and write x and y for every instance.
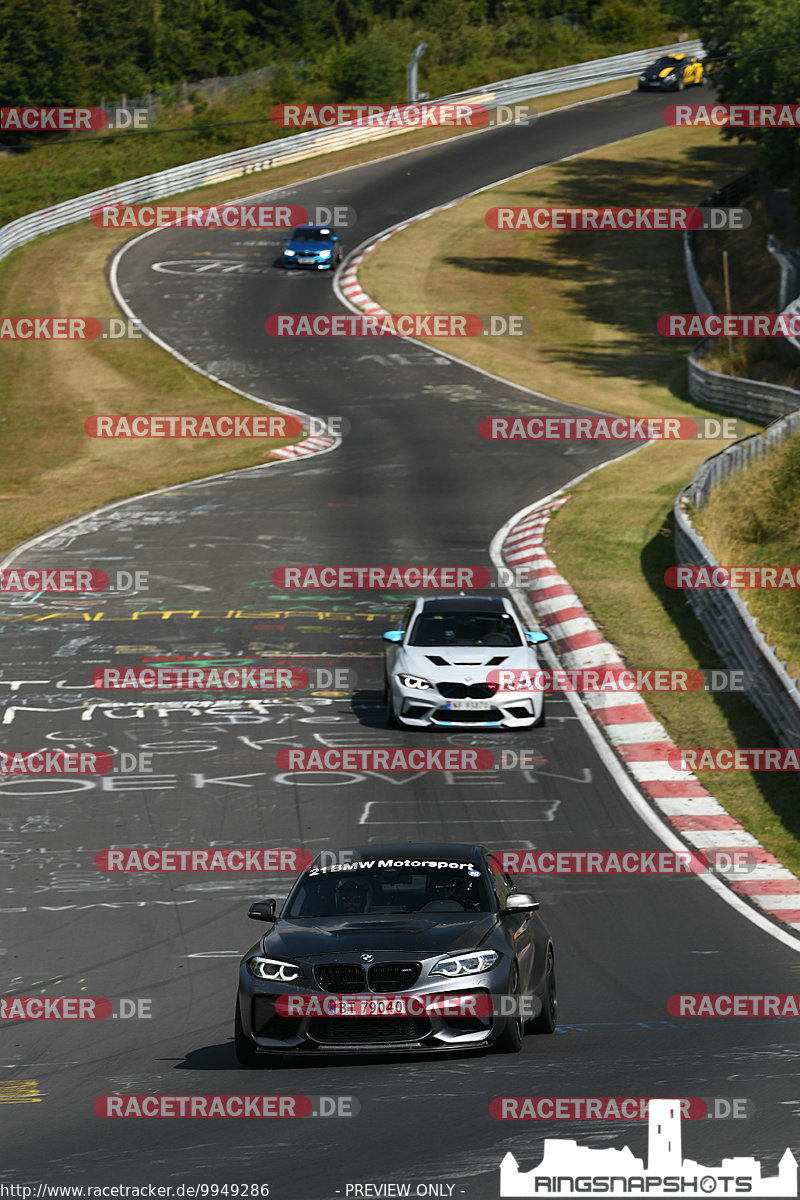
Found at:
(533, 638)
(393, 635)
(262, 910)
(521, 902)
(335, 237)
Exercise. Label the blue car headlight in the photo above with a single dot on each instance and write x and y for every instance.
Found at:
(289, 253)
(325, 253)
(414, 681)
(466, 964)
(275, 970)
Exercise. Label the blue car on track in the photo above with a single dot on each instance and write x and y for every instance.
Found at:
(312, 246)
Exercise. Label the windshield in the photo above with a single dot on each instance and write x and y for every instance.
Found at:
(311, 235)
(662, 63)
(389, 886)
(464, 629)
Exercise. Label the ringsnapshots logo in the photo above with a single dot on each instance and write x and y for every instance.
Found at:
(634, 220)
(71, 120)
(568, 1169)
(417, 325)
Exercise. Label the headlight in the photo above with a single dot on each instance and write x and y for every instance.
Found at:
(290, 253)
(466, 964)
(273, 969)
(414, 681)
(325, 253)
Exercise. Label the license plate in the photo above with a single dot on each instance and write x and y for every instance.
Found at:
(473, 705)
(365, 1006)
(305, 261)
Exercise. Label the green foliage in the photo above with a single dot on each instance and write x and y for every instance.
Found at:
(371, 67)
(756, 43)
(639, 22)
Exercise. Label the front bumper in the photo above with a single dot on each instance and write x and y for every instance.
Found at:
(272, 1033)
(659, 85)
(315, 263)
(424, 708)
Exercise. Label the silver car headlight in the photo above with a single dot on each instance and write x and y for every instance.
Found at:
(414, 681)
(273, 969)
(466, 964)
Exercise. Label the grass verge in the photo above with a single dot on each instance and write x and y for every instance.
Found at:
(594, 299)
(752, 520)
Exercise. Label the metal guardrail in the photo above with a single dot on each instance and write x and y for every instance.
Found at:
(238, 163)
(752, 399)
(730, 626)
(732, 629)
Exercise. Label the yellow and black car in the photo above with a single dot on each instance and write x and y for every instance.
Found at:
(672, 73)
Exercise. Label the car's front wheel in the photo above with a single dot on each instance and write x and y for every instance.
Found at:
(510, 1040)
(546, 1021)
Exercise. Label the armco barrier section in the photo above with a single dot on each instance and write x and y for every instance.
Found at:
(732, 629)
(238, 163)
(749, 398)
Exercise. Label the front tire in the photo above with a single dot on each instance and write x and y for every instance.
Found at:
(546, 1021)
(510, 1040)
